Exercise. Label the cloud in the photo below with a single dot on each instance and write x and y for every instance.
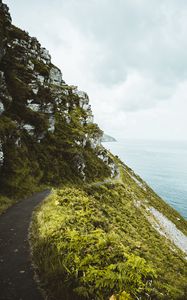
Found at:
(146, 35)
(129, 55)
(137, 92)
(167, 120)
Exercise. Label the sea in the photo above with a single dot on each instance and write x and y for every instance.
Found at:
(162, 164)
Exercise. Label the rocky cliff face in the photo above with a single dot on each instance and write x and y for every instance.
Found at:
(47, 134)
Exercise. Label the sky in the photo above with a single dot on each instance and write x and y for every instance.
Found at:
(130, 56)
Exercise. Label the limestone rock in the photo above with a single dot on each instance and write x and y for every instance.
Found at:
(55, 76)
(1, 155)
(1, 108)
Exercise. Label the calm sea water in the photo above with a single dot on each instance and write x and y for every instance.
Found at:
(163, 165)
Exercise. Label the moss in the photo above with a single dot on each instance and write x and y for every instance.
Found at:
(41, 68)
(7, 127)
(17, 88)
(17, 33)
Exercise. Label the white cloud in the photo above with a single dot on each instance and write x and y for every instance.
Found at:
(129, 56)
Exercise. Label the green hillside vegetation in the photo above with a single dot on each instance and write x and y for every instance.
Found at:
(5, 203)
(92, 242)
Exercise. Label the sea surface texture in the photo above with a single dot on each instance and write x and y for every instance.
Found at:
(163, 165)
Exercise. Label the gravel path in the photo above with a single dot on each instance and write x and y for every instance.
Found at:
(16, 273)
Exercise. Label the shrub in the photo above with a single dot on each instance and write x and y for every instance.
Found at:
(82, 257)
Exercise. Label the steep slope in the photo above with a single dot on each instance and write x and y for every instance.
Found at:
(104, 241)
(47, 134)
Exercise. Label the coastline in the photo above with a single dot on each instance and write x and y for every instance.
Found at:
(162, 165)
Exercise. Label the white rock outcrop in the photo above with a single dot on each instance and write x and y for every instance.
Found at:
(48, 108)
(1, 155)
(103, 157)
(168, 229)
(30, 65)
(41, 79)
(33, 106)
(55, 76)
(81, 166)
(45, 55)
(1, 108)
(90, 119)
(94, 142)
(51, 124)
(29, 128)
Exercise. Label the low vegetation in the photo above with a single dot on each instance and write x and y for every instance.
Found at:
(94, 243)
(5, 203)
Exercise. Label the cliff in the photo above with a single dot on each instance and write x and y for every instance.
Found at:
(47, 133)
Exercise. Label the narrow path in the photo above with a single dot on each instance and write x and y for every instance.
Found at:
(16, 273)
(108, 180)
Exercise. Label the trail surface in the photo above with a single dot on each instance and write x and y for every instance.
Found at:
(16, 273)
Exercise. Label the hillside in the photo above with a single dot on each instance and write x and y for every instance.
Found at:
(47, 133)
(105, 241)
(102, 233)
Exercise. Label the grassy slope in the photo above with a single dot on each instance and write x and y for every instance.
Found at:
(80, 236)
(5, 203)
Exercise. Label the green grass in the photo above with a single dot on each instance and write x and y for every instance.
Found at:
(5, 203)
(93, 242)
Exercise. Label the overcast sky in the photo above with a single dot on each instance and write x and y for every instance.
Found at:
(130, 56)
